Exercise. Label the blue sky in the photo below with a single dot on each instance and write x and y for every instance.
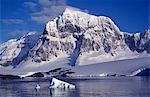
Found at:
(18, 17)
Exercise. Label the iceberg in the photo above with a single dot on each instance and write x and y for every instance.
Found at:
(55, 83)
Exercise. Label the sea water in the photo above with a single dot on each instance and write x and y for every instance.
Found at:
(99, 87)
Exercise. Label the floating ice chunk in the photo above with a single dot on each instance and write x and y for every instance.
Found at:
(61, 84)
(103, 74)
(37, 87)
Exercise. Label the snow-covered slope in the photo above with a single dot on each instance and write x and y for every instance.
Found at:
(74, 38)
(121, 67)
(14, 51)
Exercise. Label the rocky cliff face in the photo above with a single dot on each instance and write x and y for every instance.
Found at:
(139, 42)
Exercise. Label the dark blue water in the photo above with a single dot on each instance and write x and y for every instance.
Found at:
(102, 87)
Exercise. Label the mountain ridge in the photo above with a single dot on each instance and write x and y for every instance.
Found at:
(76, 34)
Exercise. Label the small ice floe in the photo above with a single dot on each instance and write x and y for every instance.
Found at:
(37, 87)
(103, 75)
(61, 84)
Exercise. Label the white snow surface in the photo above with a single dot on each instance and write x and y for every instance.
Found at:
(124, 67)
(97, 57)
(120, 67)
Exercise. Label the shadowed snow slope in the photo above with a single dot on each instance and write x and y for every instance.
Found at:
(14, 51)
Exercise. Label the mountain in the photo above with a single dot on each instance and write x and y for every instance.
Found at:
(15, 50)
(139, 42)
(75, 39)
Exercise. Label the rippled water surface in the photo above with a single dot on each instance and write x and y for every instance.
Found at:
(101, 87)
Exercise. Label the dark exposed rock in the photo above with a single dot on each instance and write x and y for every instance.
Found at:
(9, 76)
(39, 74)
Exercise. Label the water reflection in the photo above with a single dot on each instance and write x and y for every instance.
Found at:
(63, 92)
(104, 87)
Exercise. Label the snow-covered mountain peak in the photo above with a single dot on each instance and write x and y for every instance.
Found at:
(75, 21)
(75, 35)
(69, 11)
(75, 32)
(147, 34)
(84, 20)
